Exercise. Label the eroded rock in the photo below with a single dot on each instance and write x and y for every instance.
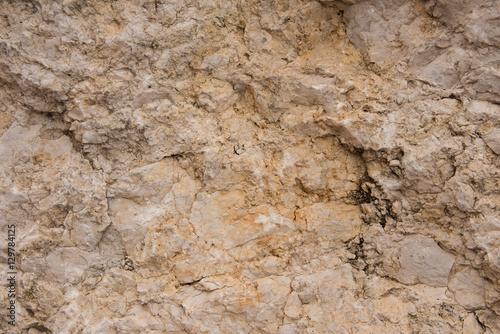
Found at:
(253, 167)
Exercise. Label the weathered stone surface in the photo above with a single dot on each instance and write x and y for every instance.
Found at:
(422, 261)
(492, 139)
(271, 166)
(469, 288)
(333, 220)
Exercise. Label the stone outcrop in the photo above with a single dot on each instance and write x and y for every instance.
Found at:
(262, 166)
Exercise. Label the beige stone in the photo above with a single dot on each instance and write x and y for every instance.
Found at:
(422, 260)
(471, 326)
(278, 167)
(492, 139)
(469, 288)
(293, 307)
(332, 220)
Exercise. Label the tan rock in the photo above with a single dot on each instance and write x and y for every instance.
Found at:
(469, 288)
(332, 220)
(471, 326)
(422, 260)
(280, 167)
(492, 139)
(293, 307)
(391, 309)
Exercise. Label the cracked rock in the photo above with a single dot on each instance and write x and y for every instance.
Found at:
(261, 166)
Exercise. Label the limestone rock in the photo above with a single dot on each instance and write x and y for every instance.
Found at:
(492, 139)
(270, 166)
(423, 261)
(335, 221)
(469, 288)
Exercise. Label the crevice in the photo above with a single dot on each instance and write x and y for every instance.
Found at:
(191, 283)
(40, 328)
(363, 194)
(295, 213)
(483, 326)
(355, 246)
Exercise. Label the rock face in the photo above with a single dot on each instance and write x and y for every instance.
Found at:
(271, 166)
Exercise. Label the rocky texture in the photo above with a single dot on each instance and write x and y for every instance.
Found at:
(252, 166)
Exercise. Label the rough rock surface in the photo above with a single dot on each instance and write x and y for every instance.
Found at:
(261, 166)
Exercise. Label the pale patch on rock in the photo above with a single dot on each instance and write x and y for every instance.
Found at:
(492, 139)
(422, 260)
(469, 288)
